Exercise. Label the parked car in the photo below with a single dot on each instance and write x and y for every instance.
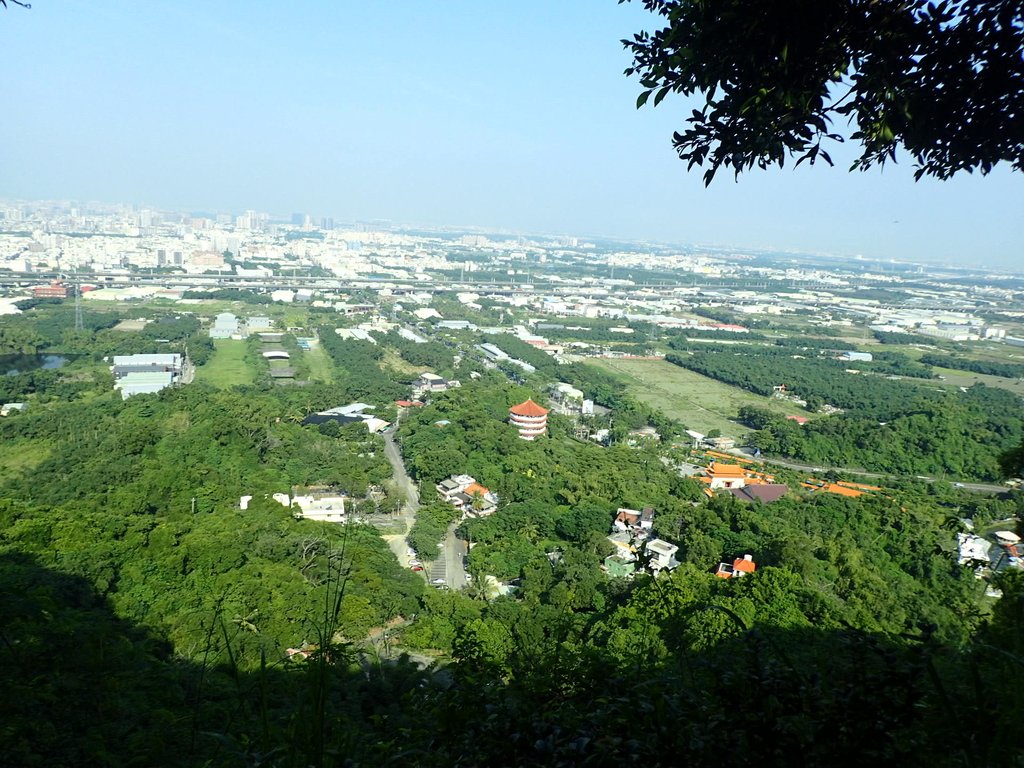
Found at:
(417, 568)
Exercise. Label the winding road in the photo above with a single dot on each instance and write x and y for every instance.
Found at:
(449, 565)
(405, 484)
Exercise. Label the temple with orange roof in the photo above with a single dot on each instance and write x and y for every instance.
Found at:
(718, 475)
(529, 418)
(836, 488)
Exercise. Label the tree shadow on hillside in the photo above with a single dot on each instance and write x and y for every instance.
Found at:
(82, 687)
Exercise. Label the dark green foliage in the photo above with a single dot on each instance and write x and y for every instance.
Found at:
(944, 80)
(144, 617)
(728, 318)
(893, 337)
(81, 687)
(361, 374)
(900, 427)
(1008, 370)
(1012, 462)
(20, 340)
(555, 492)
(717, 666)
(141, 498)
(430, 528)
(819, 381)
(50, 326)
(894, 364)
(61, 384)
(433, 354)
(711, 333)
(961, 434)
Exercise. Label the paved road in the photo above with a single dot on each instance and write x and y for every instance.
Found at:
(412, 497)
(818, 469)
(454, 555)
(448, 566)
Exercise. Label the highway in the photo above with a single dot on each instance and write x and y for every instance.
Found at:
(820, 469)
(208, 281)
(215, 281)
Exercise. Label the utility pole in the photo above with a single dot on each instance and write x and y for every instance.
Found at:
(79, 323)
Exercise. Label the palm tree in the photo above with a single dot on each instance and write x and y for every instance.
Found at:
(477, 587)
(530, 532)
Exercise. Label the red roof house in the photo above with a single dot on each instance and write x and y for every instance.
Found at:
(741, 566)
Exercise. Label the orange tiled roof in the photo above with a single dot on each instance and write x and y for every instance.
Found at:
(747, 566)
(839, 490)
(475, 488)
(529, 408)
(725, 470)
(860, 486)
(720, 455)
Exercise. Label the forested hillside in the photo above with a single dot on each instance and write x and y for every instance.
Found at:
(146, 618)
(901, 427)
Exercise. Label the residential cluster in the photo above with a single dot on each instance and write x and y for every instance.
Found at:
(124, 252)
(467, 495)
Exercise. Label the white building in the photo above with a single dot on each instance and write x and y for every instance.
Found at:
(225, 325)
(663, 554)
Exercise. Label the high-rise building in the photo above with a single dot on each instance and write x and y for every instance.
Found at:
(249, 220)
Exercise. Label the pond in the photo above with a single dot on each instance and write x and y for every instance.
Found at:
(12, 365)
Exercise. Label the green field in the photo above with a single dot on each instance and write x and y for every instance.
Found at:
(320, 366)
(954, 377)
(699, 402)
(392, 361)
(19, 456)
(227, 367)
(958, 378)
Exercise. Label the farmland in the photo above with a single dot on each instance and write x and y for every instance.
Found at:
(227, 367)
(697, 401)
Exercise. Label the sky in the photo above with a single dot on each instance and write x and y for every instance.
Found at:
(462, 113)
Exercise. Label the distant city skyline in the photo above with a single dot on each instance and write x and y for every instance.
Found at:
(454, 115)
(316, 221)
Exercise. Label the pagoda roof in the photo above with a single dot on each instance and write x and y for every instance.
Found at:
(725, 470)
(529, 408)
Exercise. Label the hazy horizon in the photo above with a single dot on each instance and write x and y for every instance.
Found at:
(452, 116)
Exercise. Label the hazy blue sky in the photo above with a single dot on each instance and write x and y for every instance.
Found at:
(462, 112)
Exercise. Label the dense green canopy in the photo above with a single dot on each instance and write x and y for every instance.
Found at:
(944, 80)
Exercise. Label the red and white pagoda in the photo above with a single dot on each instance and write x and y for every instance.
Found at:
(529, 418)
